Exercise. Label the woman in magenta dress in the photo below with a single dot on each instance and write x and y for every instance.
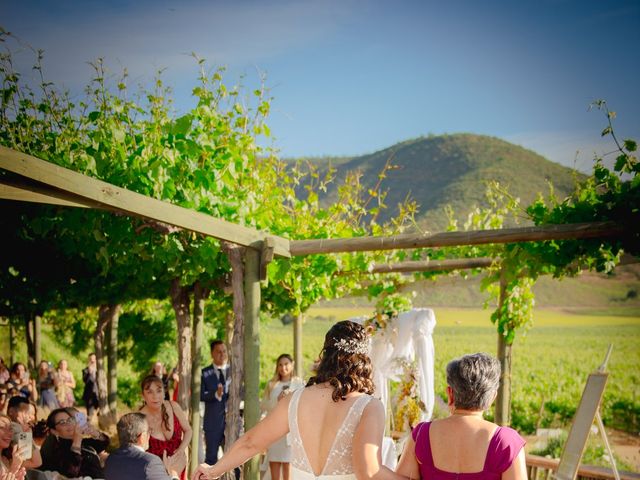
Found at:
(465, 446)
(169, 429)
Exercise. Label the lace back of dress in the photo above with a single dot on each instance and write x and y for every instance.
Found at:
(339, 461)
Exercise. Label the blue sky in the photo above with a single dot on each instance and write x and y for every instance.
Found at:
(351, 77)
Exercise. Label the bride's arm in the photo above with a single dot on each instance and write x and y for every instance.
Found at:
(256, 440)
(408, 465)
(367, 445)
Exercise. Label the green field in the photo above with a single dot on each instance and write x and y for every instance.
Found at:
(550, 362)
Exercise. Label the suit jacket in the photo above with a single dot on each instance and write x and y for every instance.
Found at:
(214, 408)
(132, 463)
(90, 383)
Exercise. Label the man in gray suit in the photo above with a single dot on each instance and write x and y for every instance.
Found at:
(131, 461)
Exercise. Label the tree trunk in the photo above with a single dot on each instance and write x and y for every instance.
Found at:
(12, 343)
(233, 420)
(199, 296)
(112, 378)
(28, 335)
(180, 303)
(503, 399)
(229, 327)
(297, 344)
(252, 350)
(37, 339)
(106, 315)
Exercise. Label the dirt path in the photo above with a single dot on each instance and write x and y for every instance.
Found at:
(626, 446)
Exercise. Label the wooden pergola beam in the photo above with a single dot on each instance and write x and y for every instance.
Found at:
(44, 179)
(433, 265)
(9, 191)
(448, 239)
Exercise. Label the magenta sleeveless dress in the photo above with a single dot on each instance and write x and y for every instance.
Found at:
(503, 449)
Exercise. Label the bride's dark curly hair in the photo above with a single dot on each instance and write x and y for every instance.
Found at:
(343, 361)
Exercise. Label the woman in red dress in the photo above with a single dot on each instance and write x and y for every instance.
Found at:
(169, 428)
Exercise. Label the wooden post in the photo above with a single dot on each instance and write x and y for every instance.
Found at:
(252, 350)
(235, 335)
(297, 344)
(112, 377)
(199, 296)
(37, 339)
(503, 399)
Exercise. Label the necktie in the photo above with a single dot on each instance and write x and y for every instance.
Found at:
(220, 376)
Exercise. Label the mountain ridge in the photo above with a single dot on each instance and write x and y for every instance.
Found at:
(452, 169)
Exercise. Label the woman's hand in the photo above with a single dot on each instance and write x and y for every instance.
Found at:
(19, 475)
(205, 472)
(78, 435)
(177, 461)
(91, 431)
(16, 470)
(16, 459)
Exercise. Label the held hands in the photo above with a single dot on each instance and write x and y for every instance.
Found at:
(205, 472)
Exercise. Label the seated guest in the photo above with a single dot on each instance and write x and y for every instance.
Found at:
(21, 413)
(10, 461)
(464, 445)
(72, 449)
(131, 461)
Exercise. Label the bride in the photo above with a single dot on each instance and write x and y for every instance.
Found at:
(335, 425)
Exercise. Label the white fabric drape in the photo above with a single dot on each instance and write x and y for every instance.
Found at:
(408, 337)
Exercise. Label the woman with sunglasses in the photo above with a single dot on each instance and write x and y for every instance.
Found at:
(72, 449)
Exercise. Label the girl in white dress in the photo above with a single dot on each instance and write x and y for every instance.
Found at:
(336, 426)
(282, 383)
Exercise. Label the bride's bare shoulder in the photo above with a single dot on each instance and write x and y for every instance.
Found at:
(374, 406)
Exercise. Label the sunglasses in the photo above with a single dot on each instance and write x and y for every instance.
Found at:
(66, 421)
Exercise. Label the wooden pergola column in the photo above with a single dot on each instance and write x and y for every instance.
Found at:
(252, 351)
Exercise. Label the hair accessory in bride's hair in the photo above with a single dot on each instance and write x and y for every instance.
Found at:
(353, 346)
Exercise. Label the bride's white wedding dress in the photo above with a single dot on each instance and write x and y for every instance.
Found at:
(338, 465)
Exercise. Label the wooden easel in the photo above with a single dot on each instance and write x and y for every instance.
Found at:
(587, 412)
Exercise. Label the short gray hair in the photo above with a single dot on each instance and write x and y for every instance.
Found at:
(474, 380)
(131, 426)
